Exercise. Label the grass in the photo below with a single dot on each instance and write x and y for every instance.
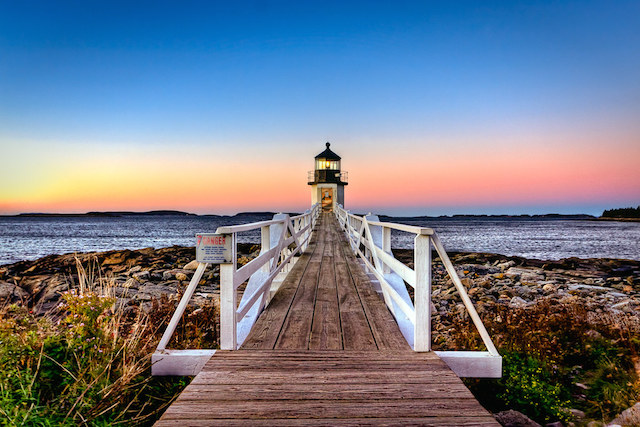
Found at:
(557, 357)
(88, 362)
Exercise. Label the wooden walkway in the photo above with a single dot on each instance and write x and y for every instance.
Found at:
(326, 351)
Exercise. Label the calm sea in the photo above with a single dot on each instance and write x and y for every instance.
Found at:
(31, 238)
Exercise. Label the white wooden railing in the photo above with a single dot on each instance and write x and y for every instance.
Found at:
(371, 240)
(282, 238)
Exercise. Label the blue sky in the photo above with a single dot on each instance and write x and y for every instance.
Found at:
(551, 84)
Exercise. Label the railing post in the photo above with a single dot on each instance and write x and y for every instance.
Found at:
(422, 296)
(265, 244)
(228, 302)
(386, 247)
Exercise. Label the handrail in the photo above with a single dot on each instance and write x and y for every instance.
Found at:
(371, 240)
(276, 257)
(230, 229)
(424, 231)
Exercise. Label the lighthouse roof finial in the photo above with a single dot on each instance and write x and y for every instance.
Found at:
(328, 154)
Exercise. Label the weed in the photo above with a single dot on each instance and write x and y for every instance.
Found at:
(92, 366)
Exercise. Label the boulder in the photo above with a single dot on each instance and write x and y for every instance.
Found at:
(11, 292)
(115, 258)
(151, 290)
(142, 276)
(524, 274)
(517, 302)
(172, 274)
(505, 265)
(513, 418)
(191, 266)
(629, 417)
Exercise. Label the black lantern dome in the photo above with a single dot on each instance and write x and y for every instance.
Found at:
(327, 169)
(328, 154)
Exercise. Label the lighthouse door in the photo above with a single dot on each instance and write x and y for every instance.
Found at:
(327, 199)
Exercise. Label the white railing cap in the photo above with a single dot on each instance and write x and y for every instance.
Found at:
(424, 231)
(229, 229)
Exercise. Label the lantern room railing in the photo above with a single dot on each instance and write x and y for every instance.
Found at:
(327, 175)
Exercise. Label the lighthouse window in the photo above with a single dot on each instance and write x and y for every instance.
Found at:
(327, 164)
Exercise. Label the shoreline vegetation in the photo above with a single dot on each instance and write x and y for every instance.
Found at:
(77, 332)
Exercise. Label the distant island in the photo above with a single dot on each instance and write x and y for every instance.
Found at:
(105, 214)
(622, 213)
(120, 214)
(461, 216)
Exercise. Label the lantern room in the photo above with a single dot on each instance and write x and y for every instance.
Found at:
(327, 181)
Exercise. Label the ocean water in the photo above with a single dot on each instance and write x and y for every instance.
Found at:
(538, 238)
(28, 238)
(23, 238)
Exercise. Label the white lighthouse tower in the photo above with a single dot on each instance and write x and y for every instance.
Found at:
(327, 181)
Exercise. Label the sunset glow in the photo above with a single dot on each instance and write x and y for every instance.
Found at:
(211, 108)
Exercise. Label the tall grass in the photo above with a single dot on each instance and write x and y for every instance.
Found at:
(556, 357)
(88, 362)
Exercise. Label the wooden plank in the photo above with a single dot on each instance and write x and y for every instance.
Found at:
(486, 421)
(383, 326)
(316, 377)
(325, 331)
(324, 364)
(266, 330)
(296, 390)
(302, 354)
(257, 409)
(297, 325)
(356, 332)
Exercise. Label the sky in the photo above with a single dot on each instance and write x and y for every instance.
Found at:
(436, 108)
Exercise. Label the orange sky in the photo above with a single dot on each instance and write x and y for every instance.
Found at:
(418, 177)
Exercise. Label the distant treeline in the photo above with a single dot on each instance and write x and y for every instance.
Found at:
(622, 213)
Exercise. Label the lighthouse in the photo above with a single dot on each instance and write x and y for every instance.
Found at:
(327, 181)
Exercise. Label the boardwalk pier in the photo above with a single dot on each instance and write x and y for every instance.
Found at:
(325, 351)
(325, 332)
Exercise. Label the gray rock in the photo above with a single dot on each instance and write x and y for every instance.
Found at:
(505, 265)
(171, 274)
(151, 290)
(582, 287)
(142, 276)
(524, 274)
(513, 418)
(11, 291)
(524, 292)
(517, 302)
(629, 417)
(134, 269)
(577, 413)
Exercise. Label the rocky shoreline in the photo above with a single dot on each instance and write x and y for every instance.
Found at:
(515, 281)
(134, 277)
(138, 276)
(503, 288)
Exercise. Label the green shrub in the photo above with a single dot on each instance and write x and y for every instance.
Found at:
(557, 355)
(529, 387)
(91, 367)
